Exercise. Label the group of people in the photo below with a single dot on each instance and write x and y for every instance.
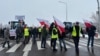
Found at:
(54, 33)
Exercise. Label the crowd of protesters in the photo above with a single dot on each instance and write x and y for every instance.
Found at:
(41, 34)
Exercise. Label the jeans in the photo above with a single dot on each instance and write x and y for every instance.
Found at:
(26, 40)
(43, 42)
(34, 39)
(90, 38)
(18, 38)
(76, 42)
(61, 41)
(53, 43)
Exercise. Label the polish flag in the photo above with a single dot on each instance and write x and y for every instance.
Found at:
(44, 22)
(41, 21)
(87, 23)
(60, 25)
(47, 23)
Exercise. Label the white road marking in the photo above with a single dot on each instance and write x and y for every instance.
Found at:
(63, 45)
(27, 48)
(14, 48)
(39, 45)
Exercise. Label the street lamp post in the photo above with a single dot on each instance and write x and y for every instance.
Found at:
(98, 12)
(66, 7)
(98, 5)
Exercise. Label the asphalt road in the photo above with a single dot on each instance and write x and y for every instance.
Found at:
(35, 49)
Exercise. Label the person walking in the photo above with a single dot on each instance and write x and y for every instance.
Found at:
(50, 32)
(54, 37)
(44, 36)
(91, 33)
(6, 37)
(62, 41)
(39, 32)
(26, 35)
(18, 34)
(34, 34)
(75, 32)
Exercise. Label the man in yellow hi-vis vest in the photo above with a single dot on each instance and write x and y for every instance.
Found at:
(26, 35)
(54, 36)
(76, 30)
(39, 32)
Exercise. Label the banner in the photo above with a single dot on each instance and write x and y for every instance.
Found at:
(20, 17)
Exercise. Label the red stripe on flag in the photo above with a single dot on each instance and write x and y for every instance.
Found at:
(60, 25)
(87, 23)
(44, 22)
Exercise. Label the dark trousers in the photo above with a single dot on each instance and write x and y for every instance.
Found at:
(61, 41)
(90, 38)
(18, 38)
(83, 35)
(34, 39)
(76, 42)
(7, 43)
(39, 35)
(26, 40)
(43, 42)
(53, 43)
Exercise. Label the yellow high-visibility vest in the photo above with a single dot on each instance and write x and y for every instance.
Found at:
(40, 29)
(26, 32)
(53, 35)
(74, 31)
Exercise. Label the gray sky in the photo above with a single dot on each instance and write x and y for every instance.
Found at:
(46, 9)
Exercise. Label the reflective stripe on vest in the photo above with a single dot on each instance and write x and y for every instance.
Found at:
(53, 35)
(74, 32)
(26, 32)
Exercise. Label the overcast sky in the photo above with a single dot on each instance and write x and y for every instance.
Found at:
(77, 10)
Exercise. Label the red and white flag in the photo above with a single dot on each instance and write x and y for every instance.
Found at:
(47, 23)
(41, 21)
(59, 24)
(87, 23)
(44, 22)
